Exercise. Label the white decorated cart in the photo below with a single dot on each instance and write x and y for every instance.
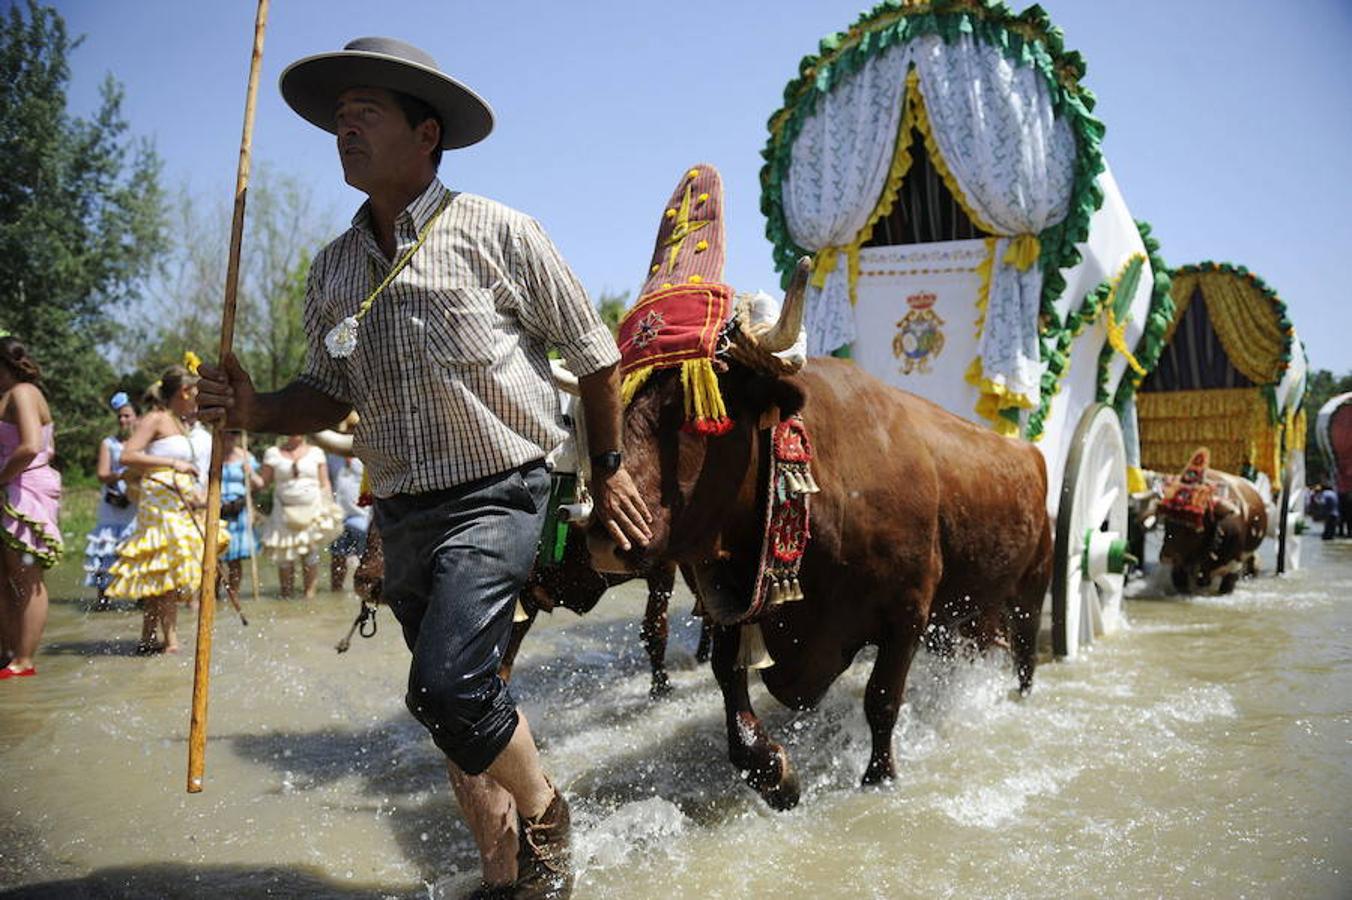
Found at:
(941, 163)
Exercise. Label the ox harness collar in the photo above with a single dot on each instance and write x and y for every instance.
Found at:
(784, 469)
(788, 518)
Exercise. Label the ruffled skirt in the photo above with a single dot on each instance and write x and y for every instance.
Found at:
(101, 550)
(163, 555)
(284, 544)
(29, 509)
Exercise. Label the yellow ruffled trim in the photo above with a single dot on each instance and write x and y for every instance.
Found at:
(985, 272)
(1243, 318)
(922, 122)
(1233, 423)
(164, 554)
(993, 397)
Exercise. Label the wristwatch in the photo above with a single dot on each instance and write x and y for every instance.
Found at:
(607, 463)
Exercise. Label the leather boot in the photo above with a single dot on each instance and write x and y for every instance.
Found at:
(544, 857)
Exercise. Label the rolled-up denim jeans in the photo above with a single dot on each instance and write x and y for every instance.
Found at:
(455, 561)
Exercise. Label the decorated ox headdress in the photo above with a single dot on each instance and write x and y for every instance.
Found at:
(683, 314)
(1188, 497)
(679, 317)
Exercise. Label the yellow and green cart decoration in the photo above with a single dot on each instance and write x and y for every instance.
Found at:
(1230, 377)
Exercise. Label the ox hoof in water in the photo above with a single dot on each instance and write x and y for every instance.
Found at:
(777, 783)
(661, 686)
(878, 773)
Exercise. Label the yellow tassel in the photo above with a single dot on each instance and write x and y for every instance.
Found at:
(1023, 251)
(824, 264)
(520, 614)
(699, 383)
(751, 650)
(632, 382)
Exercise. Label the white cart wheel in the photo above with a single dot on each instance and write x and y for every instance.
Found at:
(1091, 535)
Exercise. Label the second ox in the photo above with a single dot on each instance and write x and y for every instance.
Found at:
(1214, 523)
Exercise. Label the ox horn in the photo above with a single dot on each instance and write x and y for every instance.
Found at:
(756, 346)
(784, 333)
(563, 379)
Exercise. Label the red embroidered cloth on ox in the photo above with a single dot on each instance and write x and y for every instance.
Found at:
(679, 326)
(1188, 497)
(669, 326)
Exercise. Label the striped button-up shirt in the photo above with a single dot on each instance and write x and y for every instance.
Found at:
(450, 375)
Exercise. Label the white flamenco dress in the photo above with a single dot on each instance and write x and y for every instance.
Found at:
(304, 519)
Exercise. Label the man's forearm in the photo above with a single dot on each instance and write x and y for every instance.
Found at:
(296, 409)
(601, 405)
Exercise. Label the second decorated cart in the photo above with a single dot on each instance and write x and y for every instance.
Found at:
(1231, 378)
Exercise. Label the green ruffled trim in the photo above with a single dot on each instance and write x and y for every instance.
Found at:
(1027, 39)
(1057, 356)
(1147, 350)
(45, 558)
(1283, 320)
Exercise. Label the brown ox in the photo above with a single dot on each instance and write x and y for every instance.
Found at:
(923, 521)
(1231, 532)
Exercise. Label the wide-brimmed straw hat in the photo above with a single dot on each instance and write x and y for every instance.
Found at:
(311, 86)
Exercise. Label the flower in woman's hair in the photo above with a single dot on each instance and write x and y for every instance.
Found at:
(191, 361)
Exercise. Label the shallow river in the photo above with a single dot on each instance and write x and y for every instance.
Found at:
(1206, 751)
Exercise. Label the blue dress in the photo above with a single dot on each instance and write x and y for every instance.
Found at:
(113, 524)
(242, 540)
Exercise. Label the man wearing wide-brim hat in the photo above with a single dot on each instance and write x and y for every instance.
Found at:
(431, 316)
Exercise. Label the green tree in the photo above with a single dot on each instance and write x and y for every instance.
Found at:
(81, 222)
(1320, 387)
(612, 308)
(184, 308)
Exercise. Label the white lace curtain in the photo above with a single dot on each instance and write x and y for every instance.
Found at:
(1012, 159)
(837, 170)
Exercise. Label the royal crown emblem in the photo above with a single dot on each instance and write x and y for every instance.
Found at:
(918, 339)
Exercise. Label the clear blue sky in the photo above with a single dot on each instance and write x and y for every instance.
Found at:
(1229, 121)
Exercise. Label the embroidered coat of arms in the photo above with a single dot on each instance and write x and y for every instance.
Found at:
(919, 338)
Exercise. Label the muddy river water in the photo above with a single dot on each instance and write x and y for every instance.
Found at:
(1204, 752)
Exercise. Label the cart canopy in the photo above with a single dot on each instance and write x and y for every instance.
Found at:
(1231, 377)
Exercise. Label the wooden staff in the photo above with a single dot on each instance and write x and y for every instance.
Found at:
(249, 518)
(206, 616)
